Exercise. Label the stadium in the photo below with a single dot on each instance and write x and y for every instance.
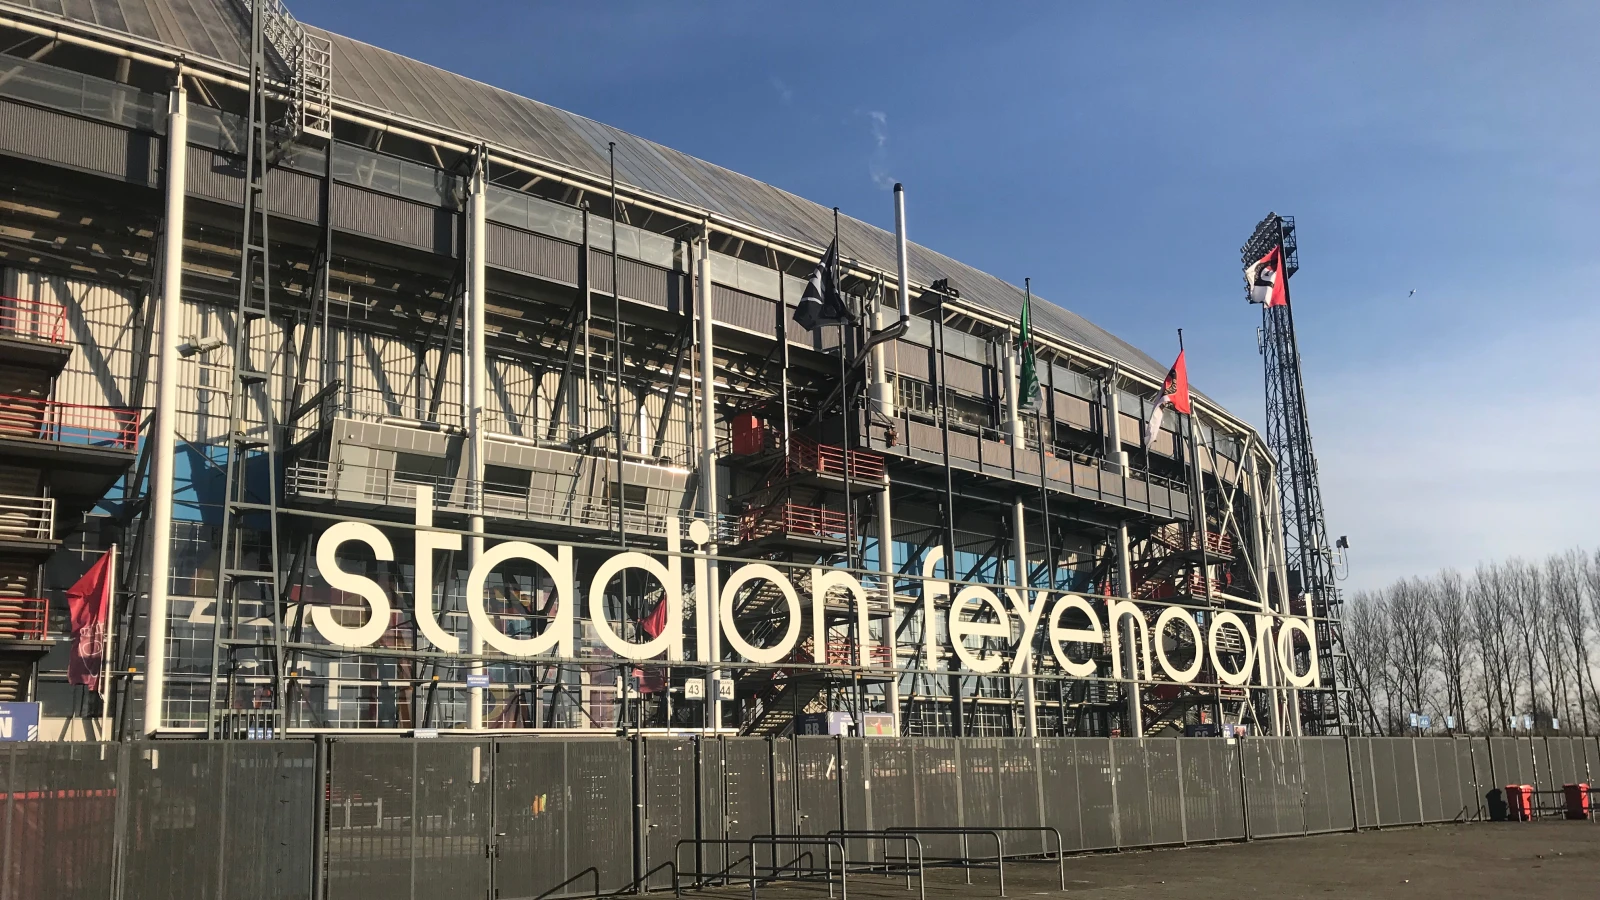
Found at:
(429, 312)
(412, 488)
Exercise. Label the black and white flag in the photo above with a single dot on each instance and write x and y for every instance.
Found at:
(822, 304)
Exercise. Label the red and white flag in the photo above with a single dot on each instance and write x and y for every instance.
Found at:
(1265, 277)
(89, 610)
(1174, 392)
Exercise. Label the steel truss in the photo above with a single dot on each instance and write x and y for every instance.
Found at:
(1309, 555)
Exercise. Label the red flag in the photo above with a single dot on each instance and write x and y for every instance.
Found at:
(655, 621)
(1176, 387)
(1265, 277)
(88, 602)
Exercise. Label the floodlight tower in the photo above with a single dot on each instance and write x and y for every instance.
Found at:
(1310, 558)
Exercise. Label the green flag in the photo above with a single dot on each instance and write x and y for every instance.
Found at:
(1028, 381)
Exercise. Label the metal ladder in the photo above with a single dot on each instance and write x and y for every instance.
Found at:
(239, 576)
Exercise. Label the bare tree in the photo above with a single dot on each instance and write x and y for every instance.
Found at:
(1489, 615)
(1367, 638)
(1450, 615)
(1564, 580)
(1415, 647)
(1521, 583)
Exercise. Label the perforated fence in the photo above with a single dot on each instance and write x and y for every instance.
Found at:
(536, 817)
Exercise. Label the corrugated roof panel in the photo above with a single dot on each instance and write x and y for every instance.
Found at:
(379, 78)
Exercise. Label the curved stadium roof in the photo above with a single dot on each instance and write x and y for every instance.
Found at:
(381, 80)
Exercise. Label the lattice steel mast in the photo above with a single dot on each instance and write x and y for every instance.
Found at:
(1305, 532)
(288, 68)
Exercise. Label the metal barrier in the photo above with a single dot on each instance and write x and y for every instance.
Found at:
(541, 817)
(800, 840)
(966, 859)
(908, 841)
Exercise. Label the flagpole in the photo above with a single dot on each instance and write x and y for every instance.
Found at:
(1038, 427)
(106, 650)
(1202, 529)
(844, 403)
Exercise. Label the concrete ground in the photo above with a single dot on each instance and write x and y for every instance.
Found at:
(1451, 862)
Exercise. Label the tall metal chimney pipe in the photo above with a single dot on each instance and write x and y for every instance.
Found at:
(903, 270)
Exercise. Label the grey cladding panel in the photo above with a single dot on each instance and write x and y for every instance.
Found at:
(63, 140)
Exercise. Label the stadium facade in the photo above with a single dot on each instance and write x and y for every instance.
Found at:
(423, 416)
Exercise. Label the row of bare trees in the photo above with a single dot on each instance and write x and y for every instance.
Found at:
(1491, 648)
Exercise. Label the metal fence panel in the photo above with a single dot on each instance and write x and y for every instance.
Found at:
(711, 783)
(979, 788)
(1327, 784)
(1513, 760)
(531, 811)
(855, 784)
(370, 820)
(1564, 763)
(453, 820)
(938, 771)
(1058, 770)
(1211, 805)
(1165, 787)
(1020, 803)
(784, 817)
(1273, 786)
(1133, 792)
(1097, 796)
(1361, 782)
(1591, 750)
(818, 796)
(750, 782)
(1428, 779)
(669, 804)
(1405, 771)
(1385, 784)
(59, 820)
(600, 824)
(1472, 763)
(892, 782)
(1542, 774)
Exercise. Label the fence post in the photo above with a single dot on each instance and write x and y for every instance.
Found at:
(119, 841)
(1244, 787)
(319, 806)
(1416, 769)
(1350, 769)
(1183, 806)
(1116, 804)
(640, 817)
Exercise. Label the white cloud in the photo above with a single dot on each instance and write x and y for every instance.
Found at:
(785, 93)
(878, 162)
(1458, 457)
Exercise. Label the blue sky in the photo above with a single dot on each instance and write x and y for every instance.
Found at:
(1119, 154)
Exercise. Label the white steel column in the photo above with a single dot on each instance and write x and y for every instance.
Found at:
(883, 393)
(474, 375)
(1130, 657)
(163, 430)
(1258, 550)
(708, 460)
(1019, 526)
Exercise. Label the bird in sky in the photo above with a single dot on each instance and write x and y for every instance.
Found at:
(1413, 293)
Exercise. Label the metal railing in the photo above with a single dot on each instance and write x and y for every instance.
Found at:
(23, 618)
(68, 423)
(807, 455)
(35, 320)
(32, 518)
(792, 520)
(319, 480)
